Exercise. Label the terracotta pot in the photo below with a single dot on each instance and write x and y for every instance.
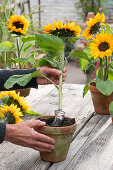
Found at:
(112, 119)
(100, 101)
(62, 137)
(23, 92)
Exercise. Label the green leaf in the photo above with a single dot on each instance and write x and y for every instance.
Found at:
(28, 38)
(110, 74)
(5, 46)
(99, 73)
(5, 100)
(46, 61)
(31, 113)
(111, 64)
(105, 87)
(87, 50)
(51, 44)
(27, 45)
(111, 108)
(21, 80)
(86, 88)
(84, 64)
(79, 54)
(24, 60)
(108, 29)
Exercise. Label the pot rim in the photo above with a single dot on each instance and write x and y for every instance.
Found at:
(59, 126)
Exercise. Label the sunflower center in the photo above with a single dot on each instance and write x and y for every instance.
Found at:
(63, 32)
(18, 25)
(95, 28)
(103, 46)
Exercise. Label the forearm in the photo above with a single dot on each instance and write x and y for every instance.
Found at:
(5, 74)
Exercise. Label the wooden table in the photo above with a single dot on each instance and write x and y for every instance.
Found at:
(92, 145)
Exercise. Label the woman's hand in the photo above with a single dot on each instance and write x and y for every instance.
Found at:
(51, 73)
(24, 134)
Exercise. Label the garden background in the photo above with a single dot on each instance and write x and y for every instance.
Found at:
(41, 12)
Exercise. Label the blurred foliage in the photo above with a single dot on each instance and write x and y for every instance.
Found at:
(89, 6)
(8, 55)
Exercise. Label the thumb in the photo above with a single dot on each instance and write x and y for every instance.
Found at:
(36, 123)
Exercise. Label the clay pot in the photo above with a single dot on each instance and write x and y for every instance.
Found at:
(100, 101)
(62, 137)
(23, 92)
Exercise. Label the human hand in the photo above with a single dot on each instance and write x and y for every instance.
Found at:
(23, 134)
(51, 73)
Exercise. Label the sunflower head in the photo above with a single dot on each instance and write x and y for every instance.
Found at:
(16, 99)
(102, 45)
(18, 24)
(11, 114)
(60, 30)
(94, 25)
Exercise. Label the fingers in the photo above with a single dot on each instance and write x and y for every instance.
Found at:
(41, 149)
(44, 138)
(64, 70)
(35, 123)
(43, 145)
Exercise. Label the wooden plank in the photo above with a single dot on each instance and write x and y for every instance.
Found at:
(20, 158)
(92, 149)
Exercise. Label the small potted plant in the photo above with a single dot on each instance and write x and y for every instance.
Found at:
(99, 52)
(59, 127)
(18, 53)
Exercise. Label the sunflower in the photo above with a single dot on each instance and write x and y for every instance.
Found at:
(16, 99)
(93, 26)
(11, 114)
(18, 24)
(102, 45)
(60, 30)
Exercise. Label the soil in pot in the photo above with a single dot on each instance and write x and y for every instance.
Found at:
(61, 135)
(100, 101)
(64, 122)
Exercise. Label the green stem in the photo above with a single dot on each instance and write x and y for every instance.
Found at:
(18, 49)
(105, 69)
(60, 81)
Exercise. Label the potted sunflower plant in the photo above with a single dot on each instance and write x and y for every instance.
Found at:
(99, 55)
(18, 53)
(59, 127)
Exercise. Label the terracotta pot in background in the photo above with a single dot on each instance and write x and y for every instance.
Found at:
(23, 92)
(100, 101)
(62, 137)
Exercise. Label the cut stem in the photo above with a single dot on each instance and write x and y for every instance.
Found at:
(18, 49)
(60, 81)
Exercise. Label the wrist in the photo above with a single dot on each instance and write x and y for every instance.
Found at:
(9, 132)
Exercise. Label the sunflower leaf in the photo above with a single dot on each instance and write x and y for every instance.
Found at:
(51, 44)
(21, 80)
(79, 54)
(108, 29)
(5, 100)
(85, 90)
(30, 112)
(46, 61)
(105, 87)
(5, 46)
(28, 38)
